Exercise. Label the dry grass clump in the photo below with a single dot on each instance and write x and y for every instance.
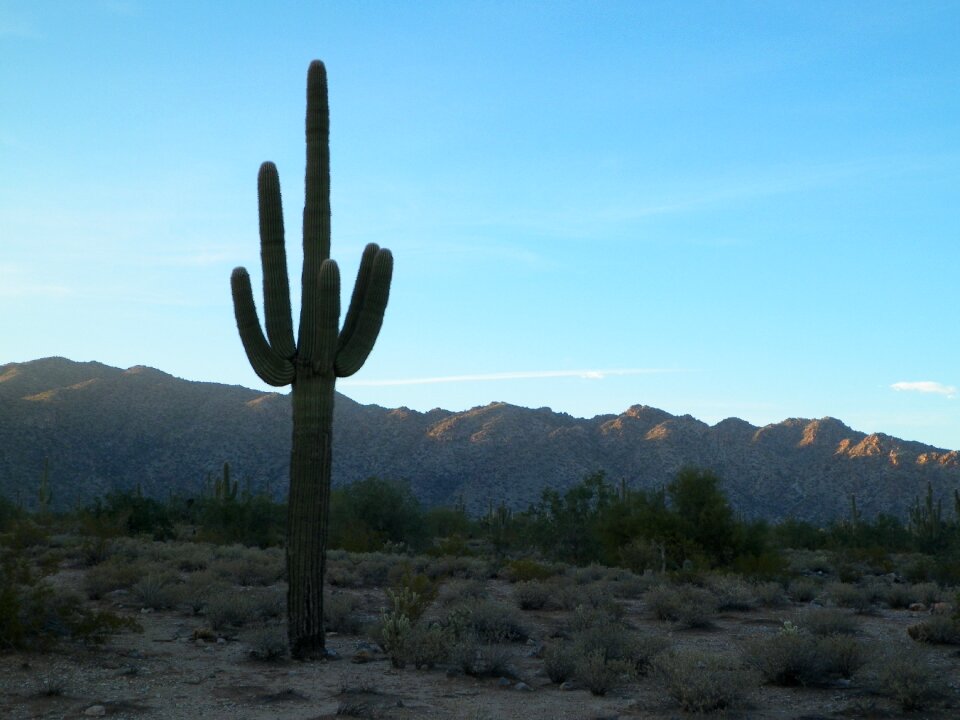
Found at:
(702, 683)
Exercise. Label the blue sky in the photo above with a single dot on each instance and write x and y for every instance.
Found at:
(717, 208)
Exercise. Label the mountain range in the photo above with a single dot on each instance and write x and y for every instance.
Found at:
(99, 428)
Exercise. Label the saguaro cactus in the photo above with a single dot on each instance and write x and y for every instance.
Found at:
(322, 352)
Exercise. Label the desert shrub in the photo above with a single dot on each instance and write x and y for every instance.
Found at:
(192, 557)
(802, 590)
(927, 593)
(687, 605)
(908, 679)
(802, 562)
(787, 658)
(937, 629)
(427, 645)
(222, 611)
(732, 592)
(34, 615)
(198, 588)
(703, 683)
(631, 586)
(489, 620)
(591, 573)
(828, 621)
(458, 591)
(479, 658)
(843, 655)
(266, 603)
(598, 673)
(252, 567)
(559, 661)
(899, 596)
(268, 644)
(531, 595)
(525, 570)
(770, 594)
(795, 657)
(339, 614)
(156, 590)
(464, 568)
(845, 595)
(116, 573)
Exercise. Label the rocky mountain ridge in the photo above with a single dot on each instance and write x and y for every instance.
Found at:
(103, 428)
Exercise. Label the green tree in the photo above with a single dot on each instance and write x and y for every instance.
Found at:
(703, 514)
(369, 513)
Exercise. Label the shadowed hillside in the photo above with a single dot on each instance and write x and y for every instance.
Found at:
(104, 428)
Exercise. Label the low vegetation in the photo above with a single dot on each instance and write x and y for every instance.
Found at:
(512, 598)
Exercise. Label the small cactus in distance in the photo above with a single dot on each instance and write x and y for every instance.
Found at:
(322, 352)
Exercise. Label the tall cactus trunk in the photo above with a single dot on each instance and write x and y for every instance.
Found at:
(322, 352)
(308, 511)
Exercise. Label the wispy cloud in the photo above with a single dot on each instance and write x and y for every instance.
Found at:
(926, 386)
(518, 375)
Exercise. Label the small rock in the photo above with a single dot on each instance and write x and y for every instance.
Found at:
(523, 687)
(363, 656)
(504, 682)
(95, 711)
(221, 641)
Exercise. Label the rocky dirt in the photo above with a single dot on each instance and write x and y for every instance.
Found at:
(168, 672)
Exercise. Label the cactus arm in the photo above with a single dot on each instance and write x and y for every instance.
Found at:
(267, 364)
(273, 257)
(316, 205)
(359, 292)
(323, 343)
(369, 317)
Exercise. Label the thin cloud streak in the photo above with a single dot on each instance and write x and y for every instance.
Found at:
(520, 375)
(926, 386)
